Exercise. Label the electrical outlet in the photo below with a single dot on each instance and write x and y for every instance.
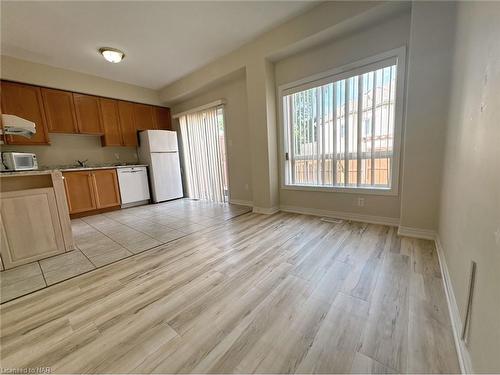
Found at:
(361, 202)
(246, 186)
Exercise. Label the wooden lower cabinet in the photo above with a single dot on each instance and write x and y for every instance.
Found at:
(106, 188)
(80, 191)
(88, 191)
(30, 226)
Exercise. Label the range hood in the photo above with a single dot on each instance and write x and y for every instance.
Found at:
(15, 125)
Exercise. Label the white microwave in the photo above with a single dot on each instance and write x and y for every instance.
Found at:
(19, 161)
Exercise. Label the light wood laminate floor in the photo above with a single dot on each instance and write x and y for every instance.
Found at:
(284, 293)
(106, 238)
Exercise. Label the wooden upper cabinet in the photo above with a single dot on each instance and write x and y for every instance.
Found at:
(88, 114)
(106, 188)
(111, 123)
(144, 117)
(163, 119)
(128, 130)
(60, 111)
(26, 102)
(80, 192)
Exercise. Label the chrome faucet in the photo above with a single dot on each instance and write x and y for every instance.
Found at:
(83, 163)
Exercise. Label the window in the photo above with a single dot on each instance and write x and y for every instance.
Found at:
(343, 131)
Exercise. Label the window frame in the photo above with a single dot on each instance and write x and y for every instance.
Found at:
(355, 68)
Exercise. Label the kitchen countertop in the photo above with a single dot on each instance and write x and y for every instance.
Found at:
(26, 173)
(74, 169)
(49, 170)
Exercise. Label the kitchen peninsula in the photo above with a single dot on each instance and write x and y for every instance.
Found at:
(35, 222)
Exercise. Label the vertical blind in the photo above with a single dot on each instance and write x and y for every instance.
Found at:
(341, 134)
(203, 147)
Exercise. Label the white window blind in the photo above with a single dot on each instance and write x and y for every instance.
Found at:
(340, 132)
(202, 135)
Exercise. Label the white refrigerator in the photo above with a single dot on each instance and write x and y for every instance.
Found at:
(159, 150)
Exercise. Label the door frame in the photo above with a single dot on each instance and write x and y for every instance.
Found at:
(226, 162)
(219, 104)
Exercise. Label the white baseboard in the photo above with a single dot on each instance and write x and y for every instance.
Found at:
(265, 210)
(241, 202)
(456, 320)
(426, 234)
(342, 215)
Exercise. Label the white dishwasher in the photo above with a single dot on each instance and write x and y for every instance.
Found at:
(134, 188)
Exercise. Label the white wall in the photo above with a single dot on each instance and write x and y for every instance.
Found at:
(387, 35)
(469, 214)
(234, 92)
(66, 148)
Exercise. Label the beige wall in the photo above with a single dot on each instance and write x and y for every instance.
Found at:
(428, 84)
(45, 75)
(320, 22)
(237, 132)
(262, 129)
(65, 149)
(469, 219)
(317, 25)
(388, 35)
(429, 36)
(257, 58)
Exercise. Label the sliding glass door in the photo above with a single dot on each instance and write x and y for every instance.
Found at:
(204, 154)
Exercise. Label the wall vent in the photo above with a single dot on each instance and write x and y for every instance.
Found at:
(470, 297)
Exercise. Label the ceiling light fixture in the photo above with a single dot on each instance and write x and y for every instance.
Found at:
(112, 54)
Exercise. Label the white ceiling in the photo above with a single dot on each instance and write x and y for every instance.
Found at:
(163, 41)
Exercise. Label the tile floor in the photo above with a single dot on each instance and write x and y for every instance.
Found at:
(106, 238)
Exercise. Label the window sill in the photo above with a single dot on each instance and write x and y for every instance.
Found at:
(349, 190)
